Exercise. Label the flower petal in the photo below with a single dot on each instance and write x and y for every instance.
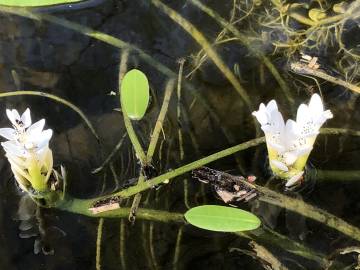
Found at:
(277, 121)
(26, 118)
(279, 165)
(303, 114)
(36, 129)
(12, 148)
(290, 158)
(293, 180)
(8, 133)
(277, 147)
(316, 106)
(13, 115)
(261, 117)
(44, 139)
(272, 106)
(261, 114)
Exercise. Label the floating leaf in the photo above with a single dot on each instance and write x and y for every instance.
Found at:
(134, 94)
(36, 3)
(222, 218)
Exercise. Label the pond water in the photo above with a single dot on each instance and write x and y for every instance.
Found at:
(54, 57)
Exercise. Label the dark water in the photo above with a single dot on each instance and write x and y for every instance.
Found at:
(43, 56)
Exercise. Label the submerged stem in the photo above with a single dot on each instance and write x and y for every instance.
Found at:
(245, 41)
(334, 175)
(200, 38)
(310, 211)
(98, 243)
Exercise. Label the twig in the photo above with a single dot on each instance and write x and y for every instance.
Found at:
(303, 69)
(178, 109)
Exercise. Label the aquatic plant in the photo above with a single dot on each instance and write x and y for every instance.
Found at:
(310, 34)
(27, 150)
(289, 144)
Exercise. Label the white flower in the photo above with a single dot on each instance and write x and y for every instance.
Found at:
(19, 122)
(27, 150)
(290, 144)
(24, 136)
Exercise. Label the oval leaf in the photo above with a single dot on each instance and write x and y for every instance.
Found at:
(222, 218)
(35, 3)
(134, 94)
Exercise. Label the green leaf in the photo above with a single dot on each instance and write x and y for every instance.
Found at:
(134, 94)
(222, 218)
(35, 3)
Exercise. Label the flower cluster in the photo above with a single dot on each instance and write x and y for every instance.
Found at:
(27, 150)
(289, 144)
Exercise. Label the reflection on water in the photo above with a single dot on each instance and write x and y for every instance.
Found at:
(38, 55)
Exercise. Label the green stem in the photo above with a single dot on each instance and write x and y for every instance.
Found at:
(153, 142)
(177, 248)
(128, 125)
(82, 206)
(98, 243)
(136, 201)
(57, 99)
(309, 211)
(186, 168)
(159, 123)
(122, 247)
(244, 40)
(201, 162)
(270, 237)
(140, 154)
(339, 131)
(200, 38)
